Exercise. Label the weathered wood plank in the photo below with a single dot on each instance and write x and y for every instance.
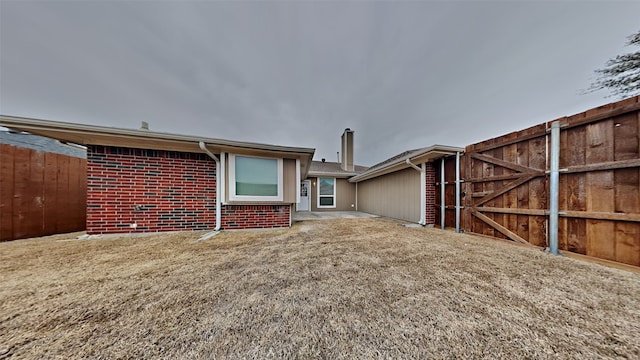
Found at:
(601, 215)
(498, 154)
(538, 192)
(510, 198)
(600, 190)
(62, 200)
(7, 155)
(508, 176)
(514, 211)
(504, 189)
(604, 166)
(35, 211)
(510, 234)
(627, 203)
(22, 193)
(522, 192)
(595, 115)
(487, 171)
(626, 143)
(497, 161)
(51, 211)
(512, 138)
(576, 188)
(567, 214)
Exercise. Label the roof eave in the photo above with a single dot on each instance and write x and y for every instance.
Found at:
(110, 136)
(81, 132)
(330, 174)
(428, 154)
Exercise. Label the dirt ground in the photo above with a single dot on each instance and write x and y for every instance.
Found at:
(338, 289)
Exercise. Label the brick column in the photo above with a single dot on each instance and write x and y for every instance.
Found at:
(430, 175)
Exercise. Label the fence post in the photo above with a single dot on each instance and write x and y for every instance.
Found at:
(554, 187)
(442, 194)
(457, 192)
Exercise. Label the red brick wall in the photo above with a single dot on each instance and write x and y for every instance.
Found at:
(255, 216)
(430, 175)
(174, 190)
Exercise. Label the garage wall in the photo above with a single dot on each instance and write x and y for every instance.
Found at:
(395, 195)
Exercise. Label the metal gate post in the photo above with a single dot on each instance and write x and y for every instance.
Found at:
(554, 186)
(457, 192)
(442, 202)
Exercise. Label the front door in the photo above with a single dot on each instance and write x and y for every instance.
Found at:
(305, 200)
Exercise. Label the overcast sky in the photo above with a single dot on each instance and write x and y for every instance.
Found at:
(402, 75)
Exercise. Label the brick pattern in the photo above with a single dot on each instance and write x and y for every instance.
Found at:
(255, 216)
(430, 175)
(157, 190)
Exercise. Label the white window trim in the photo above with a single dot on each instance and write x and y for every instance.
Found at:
(232, 181)
(335, 185)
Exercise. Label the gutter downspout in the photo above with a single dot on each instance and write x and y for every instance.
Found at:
(203, 147)
(423, 191)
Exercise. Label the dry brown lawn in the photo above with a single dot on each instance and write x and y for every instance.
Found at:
(357, 288)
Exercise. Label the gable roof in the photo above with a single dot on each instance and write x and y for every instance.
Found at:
(333, 169)
(146, 139)
(399, 162)
(41, 143)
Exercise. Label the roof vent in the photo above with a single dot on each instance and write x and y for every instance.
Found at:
(323, 159)
(144, 126)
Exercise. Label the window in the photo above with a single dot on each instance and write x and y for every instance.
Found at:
(255, 179)
(326, 192)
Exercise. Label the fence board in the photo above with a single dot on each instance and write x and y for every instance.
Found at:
(7, 155)
(41, 193)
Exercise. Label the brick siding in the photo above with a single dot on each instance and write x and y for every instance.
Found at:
(157, 190)
(163, 191)
(255, 216)
(430, 175)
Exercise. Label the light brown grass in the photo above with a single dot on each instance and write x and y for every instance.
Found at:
(357, 288)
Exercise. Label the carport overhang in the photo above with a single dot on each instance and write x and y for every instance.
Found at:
(426, 155)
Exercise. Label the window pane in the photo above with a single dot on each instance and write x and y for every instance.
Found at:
(256, 177)
(326, 186)
(326, 201)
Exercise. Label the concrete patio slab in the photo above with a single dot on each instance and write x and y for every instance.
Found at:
(328, 215)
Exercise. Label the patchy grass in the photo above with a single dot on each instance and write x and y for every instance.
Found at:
(357, 288)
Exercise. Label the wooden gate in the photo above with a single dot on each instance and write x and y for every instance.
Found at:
(506, 187)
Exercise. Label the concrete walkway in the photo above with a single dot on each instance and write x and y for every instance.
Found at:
(327, 215)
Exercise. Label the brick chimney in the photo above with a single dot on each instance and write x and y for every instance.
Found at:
(347, 163)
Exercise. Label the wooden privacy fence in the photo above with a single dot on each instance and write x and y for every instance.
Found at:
(41, 193)
(506, 184)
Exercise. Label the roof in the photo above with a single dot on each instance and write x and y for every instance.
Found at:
(146, 139)
(35, 142)
(333, 169)
(402, 160)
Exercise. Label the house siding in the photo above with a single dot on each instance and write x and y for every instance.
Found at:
(345, 195)
(395, 195)
(155, 189)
